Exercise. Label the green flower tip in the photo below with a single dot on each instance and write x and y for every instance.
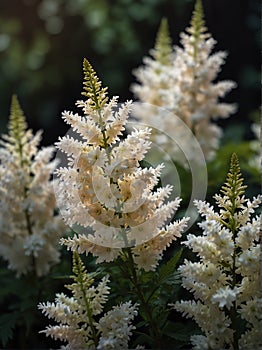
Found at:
(93, 89)
(233, 186)
(197, 21)
(163, 46)
(17, 123)
(80, 273)
(78, 266)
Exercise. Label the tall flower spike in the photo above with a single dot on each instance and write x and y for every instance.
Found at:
(79, 317)
(184, 87)
(29, 230)
(225, 281)
(198, 100)
(154, 75)
(105, 192)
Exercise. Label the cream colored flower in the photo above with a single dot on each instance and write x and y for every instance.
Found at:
(82, 322)
(104, 193)
(181, 81)
(29, 228)
(225, 280)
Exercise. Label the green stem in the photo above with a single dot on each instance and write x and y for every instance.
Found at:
(88, 309)
(105, 143)
(25, 190)
(233, 310)
(153, 325)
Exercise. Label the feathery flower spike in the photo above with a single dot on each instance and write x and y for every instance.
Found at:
(104, 190)
(82, 323)
(29, 229)
(225, 281)
(184, 87)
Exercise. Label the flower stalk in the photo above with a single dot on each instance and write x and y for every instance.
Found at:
(225, 280)
(29, 226)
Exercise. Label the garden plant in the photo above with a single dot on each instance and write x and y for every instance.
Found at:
(140, 228)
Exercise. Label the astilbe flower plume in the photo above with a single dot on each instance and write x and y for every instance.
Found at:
(105, 192)
(81, 323)
(29, 228)
(225, 281)
(183, 85)
(155, 75)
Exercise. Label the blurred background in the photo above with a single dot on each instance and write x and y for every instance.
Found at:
(43, 43)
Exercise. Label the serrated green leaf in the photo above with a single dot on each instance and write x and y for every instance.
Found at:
(7, 325)
(179, 331)
(142, 338)
(167, 270)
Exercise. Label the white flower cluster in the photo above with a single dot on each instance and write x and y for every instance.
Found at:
(155, 76)
(225, 282)
(29, 228)
(182, 84)
(78, 316)
(116, 328)
(105, 192)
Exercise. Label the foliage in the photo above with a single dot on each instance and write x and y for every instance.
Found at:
(19, 320)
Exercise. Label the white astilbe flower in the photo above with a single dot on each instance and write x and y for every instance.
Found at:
(251, 312)
(183, 85)
(154, 77)
(116, 328)
(225, 280)
(104, 194)
(77, 325)
(225, 297)
(146, 255)
(29, 229)
(214, 323)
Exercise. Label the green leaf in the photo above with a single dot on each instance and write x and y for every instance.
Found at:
(142, 338)
(179, 331)
(7, 325)
(167, 270)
